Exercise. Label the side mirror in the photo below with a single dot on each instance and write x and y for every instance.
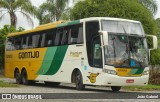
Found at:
(104, 35)
(153, 42)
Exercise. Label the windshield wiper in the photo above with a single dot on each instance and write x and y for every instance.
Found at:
(114, 47)
(127, 46)
(142, 36)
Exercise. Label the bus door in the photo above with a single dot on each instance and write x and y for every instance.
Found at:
(97, 61)
(94, 51)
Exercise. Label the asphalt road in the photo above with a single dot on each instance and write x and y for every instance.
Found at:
(68, 93)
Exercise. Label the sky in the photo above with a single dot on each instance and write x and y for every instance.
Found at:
(23, 22)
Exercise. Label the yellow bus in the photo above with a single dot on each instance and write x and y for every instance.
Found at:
(92, 51)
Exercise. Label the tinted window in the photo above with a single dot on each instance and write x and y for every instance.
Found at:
(35, 40)
(53, 37)
(49, 39)
(24, 44)
(59, 34)
(43, 37)
(64, 40)
(92, 29)
(10, 44)
(30, 41)
(17, 43)
(75, 34)
(80, 35)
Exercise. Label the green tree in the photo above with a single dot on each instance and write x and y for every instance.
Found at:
(66, 14)
(158, 25)
(150, 4)
(129, 9)
(51, 10)
(155, 55)
(3, 33)
(11, 7)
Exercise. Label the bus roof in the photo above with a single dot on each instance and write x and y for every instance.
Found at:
(65, 23)
(46, 26)
(109, 18)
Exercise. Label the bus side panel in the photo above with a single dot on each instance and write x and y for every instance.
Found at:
(8, 64)
(32, 65)
(8, 72)
(26, 59)
(74, 57)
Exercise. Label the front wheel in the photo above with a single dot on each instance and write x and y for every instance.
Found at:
(79, 81)
(115, 88)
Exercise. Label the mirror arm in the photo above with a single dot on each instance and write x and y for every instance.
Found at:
(104, 35)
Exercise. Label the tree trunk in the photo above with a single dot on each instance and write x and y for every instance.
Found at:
(57, 15)
(13, 19)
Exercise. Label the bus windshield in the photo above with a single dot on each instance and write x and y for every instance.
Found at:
(122, 27)
(126, 49)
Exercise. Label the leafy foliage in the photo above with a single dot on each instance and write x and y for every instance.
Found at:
(150, 4)
(129, 9)
(155, 55)
(51, 10)
(155, 79)
(158, 25)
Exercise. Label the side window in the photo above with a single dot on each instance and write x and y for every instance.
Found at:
(80, 35)
(35, 40)
(50, 36)
(97, 53)
(64, 40)
(30, 41)
(17, 43)
(59, 34)
(24, 44)
(75, 34)
(43, 39)
(10, 44)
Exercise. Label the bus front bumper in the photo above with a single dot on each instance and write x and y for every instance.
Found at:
(115, 80)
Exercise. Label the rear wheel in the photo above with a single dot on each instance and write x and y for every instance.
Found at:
(25, 80)
(79, 81)
(115, 88)
(18, 77)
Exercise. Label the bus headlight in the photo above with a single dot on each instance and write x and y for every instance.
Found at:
(146, 72)
(110, 71)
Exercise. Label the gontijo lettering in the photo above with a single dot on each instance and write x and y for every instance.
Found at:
(23, 55)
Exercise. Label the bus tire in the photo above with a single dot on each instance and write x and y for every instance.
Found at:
(79, 81)
(18, 77)
(25, 80)
(115, 88)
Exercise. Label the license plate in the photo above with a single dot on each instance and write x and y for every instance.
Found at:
(130, 81)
